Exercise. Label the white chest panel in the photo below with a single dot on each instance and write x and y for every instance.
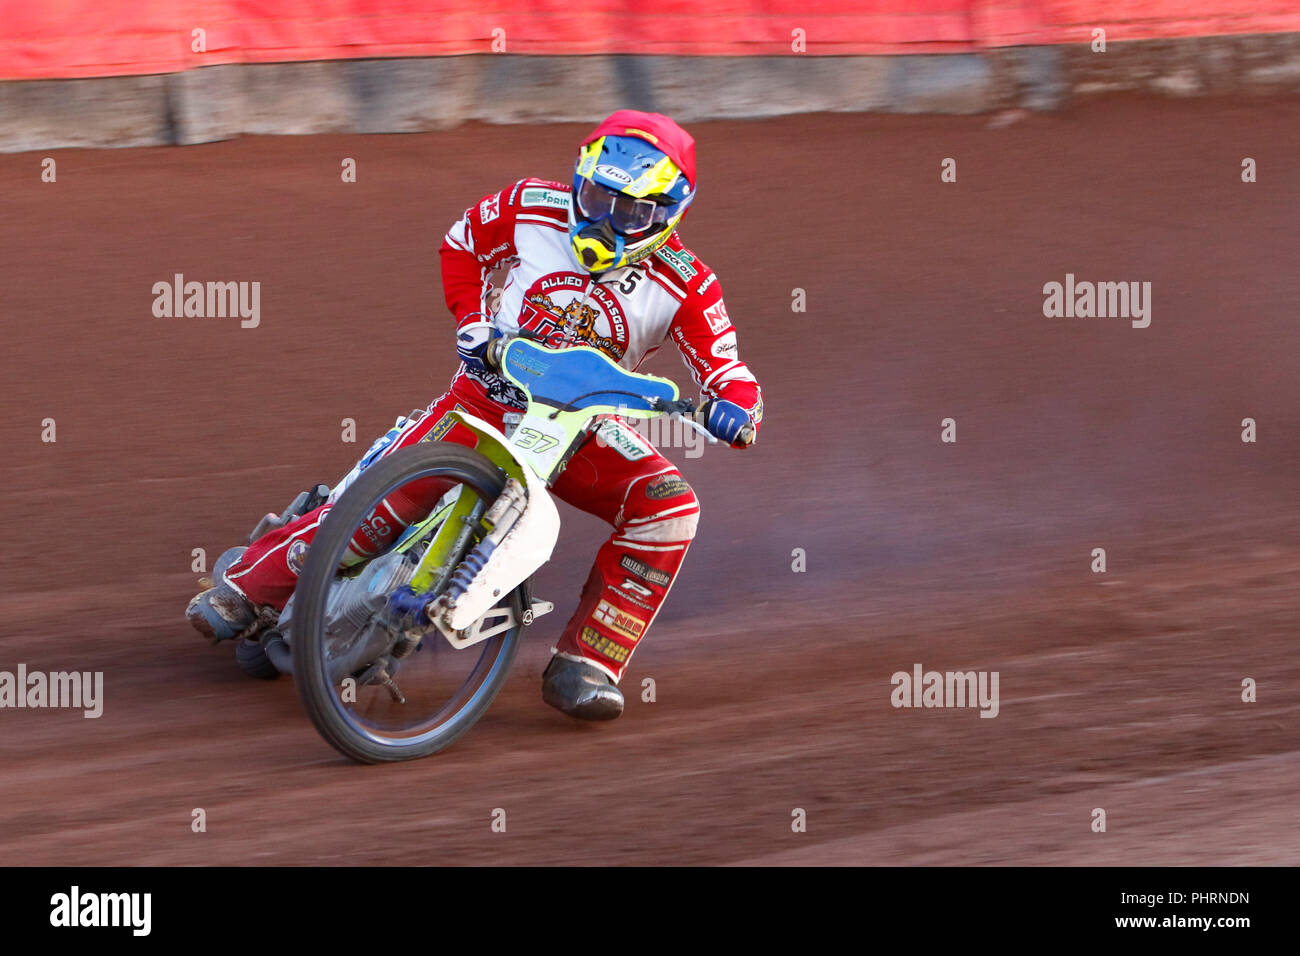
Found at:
(626, 314)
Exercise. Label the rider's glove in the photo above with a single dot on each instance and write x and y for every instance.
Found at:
(726, 421)
(472, 341)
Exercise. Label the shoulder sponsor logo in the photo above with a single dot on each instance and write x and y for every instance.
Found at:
(550, 198)
(620, 622)
(669, 486)
(725, 347)
(681, 261)
(707, 282)
(644, 571)
(490, 208)
(716, 316)
(614, 174)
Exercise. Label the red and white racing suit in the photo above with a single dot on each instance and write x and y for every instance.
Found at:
(627, 313)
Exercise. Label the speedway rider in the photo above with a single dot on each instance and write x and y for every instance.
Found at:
(599, 264)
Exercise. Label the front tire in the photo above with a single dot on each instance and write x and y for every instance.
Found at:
(344, 729)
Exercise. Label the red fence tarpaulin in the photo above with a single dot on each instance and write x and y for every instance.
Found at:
(78, 38)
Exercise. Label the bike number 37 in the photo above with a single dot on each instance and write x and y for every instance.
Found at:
(541, 441)
(530, 439)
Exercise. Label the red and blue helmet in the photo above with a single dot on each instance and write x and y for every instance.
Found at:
(632, 183)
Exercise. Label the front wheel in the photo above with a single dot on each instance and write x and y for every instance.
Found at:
(342, 664)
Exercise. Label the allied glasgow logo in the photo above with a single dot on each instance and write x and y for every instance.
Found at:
(566, 308)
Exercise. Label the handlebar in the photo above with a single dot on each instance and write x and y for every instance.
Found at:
(684, 409)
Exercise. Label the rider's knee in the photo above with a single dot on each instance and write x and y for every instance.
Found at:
(662, 508)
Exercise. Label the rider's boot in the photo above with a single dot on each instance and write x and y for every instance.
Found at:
(221, 613)
(580, 689)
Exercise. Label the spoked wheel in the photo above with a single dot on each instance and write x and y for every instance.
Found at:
(436, 692)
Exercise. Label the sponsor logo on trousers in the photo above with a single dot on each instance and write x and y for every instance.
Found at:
(644, 571)
(667, 486)
(620, 621)
(604, 646)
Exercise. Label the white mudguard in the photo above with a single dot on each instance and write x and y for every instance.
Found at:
(526, 547)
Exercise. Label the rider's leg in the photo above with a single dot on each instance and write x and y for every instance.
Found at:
(265, 575)
(654, 513)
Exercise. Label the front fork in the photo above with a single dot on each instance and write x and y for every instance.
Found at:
(449, 565)
(407, 609)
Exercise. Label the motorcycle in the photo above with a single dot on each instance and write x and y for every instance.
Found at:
(445, 605)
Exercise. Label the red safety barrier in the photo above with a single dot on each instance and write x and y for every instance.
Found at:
(1073, 21)
(77, 38)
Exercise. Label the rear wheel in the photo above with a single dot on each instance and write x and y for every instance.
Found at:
(444, 691)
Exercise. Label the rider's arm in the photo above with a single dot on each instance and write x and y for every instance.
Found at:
(479, 242)
(703, 333)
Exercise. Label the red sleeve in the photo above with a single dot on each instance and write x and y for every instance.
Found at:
(478, 243)
(706, 338)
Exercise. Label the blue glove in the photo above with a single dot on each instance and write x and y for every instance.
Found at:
(472, 341)
(726, 421)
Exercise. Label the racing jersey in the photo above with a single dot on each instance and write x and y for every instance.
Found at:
(627, 313)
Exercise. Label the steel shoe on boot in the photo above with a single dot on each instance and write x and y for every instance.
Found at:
(220, 613)
(580, 690)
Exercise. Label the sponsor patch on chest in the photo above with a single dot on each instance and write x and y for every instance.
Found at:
(566, 308)
(539, 196)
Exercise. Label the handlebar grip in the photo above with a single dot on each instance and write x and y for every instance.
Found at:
(683, 407)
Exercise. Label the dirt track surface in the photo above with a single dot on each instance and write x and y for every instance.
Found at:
(924, 301)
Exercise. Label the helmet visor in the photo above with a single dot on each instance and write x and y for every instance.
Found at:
(628, 215)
